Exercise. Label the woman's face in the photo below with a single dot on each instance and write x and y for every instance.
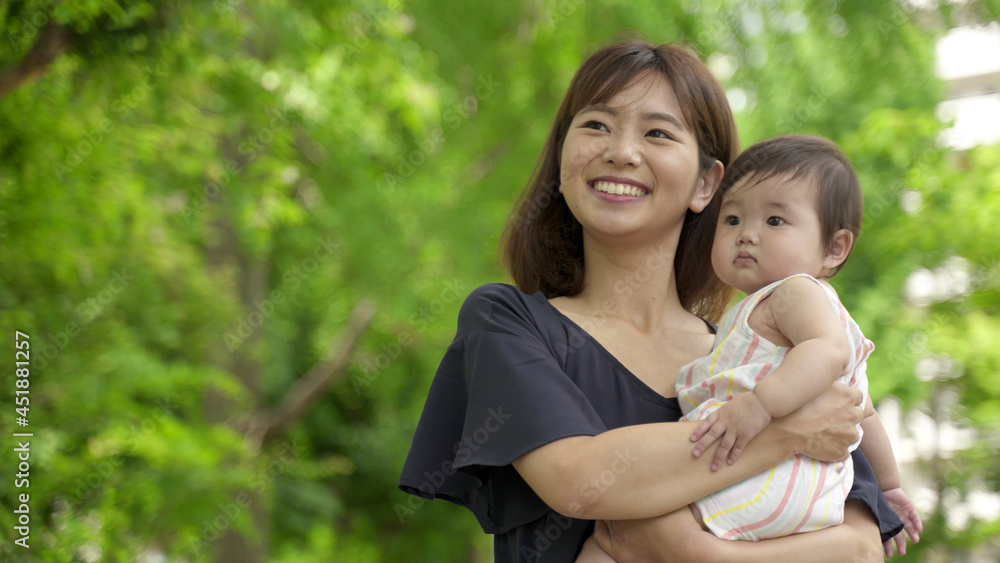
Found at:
(629, 167)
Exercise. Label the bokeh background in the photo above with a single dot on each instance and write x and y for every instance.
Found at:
(238, 234)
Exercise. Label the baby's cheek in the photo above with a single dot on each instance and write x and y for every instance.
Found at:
(718, 262)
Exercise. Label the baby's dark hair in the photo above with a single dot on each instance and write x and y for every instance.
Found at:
(804, 157)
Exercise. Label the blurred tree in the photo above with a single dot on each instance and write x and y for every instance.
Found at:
(196, 196)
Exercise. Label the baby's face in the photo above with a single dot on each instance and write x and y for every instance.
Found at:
(768, 231)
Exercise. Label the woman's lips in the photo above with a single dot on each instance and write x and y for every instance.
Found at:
(618, 190)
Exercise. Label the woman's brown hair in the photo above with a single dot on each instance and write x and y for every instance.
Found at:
(543, 243)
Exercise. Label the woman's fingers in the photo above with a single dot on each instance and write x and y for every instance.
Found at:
(829, 423)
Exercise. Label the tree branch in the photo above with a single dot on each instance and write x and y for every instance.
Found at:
(267, 425)
(52, 41)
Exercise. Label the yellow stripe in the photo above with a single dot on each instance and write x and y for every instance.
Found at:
(825, 514)
(749, 502)
(718, 350)
(715, 358)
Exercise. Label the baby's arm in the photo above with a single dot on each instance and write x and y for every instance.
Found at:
(876, 447)
(820, 353)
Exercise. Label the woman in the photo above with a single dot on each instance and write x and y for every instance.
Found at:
(554, 405)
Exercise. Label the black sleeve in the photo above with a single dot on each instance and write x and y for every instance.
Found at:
(866, 490)
(499, 393)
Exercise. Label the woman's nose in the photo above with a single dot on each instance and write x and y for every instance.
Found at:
(622, 151)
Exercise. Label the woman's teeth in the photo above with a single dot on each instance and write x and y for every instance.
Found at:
(619, 189)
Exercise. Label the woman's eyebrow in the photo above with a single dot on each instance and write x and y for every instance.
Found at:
(663, 117)
(650, 116)
(601, 108)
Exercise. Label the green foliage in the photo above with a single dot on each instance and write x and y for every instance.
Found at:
(185, 166)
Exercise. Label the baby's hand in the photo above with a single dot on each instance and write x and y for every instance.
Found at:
(911, 520)
(736, 422)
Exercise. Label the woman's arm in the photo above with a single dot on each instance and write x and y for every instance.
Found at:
(856, 540)
(647, 470)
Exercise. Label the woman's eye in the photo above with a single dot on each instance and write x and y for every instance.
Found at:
(775, 221)
(732, 220)
(597, 125)
(659, 134)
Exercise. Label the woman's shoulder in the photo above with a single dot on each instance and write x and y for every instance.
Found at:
(491, 292)
(488, 296)
(500, 307)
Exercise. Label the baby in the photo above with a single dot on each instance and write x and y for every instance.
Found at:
(789, 213)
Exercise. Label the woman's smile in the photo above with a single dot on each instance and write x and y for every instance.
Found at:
(617, 190)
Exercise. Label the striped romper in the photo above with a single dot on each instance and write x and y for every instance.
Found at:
(798, 495)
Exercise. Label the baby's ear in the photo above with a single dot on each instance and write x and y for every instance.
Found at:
(838, 249)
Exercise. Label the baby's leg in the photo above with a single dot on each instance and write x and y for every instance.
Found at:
(698, 518)
(592, 553)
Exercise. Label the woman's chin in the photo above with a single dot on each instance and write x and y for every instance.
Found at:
(626, 235)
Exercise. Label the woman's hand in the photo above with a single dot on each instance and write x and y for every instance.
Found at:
(825, 427)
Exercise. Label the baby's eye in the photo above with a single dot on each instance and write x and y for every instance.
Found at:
(597, 125)
(775, 221)
(732, 220)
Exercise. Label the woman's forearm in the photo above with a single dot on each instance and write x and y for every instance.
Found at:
(648, 470)
(640, 471)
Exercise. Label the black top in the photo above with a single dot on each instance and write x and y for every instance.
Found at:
(519, 375)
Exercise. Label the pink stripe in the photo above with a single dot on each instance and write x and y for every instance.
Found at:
(819, 488)
(764, 372)
(690, 374)
(753, 348)
(774, 515)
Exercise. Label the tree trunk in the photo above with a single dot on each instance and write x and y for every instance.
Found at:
(52, 40)
(224, 251)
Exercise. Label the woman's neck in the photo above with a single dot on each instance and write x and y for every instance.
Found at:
(634, 284)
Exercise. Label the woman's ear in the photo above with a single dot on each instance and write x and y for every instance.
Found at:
(838, 249)
(708, 183)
